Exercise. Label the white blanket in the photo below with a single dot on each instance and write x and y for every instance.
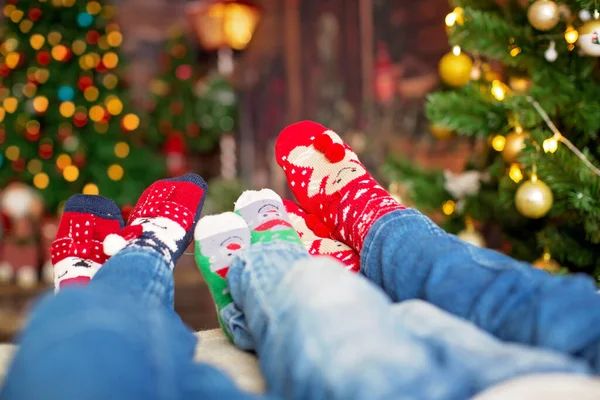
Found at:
(214, 348)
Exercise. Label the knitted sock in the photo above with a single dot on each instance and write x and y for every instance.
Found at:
(317, 238)
(218, 239)
(329, 181)
(266, 217)
(76, 252)
(163, 219)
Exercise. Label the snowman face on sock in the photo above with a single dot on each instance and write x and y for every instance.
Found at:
(74, 270)
(163, 229)
(265, 215)
(336, 175)
(222, 248)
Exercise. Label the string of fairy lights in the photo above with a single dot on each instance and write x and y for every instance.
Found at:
(96, 56)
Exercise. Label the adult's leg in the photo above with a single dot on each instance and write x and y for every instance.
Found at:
(407, 255)
(410, 257)
(487, 360)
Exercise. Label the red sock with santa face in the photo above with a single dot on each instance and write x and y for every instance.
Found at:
(330, 182)
(164, 218)
(318, 238)
(77, 250)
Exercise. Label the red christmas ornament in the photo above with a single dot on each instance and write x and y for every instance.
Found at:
(2, 135)
(46, 151)
(67, 56)
(192, 129)
(101, 67)
(80, 119)
(34, 14)
(106, 117)
(92, 37)
(18, 165)
(79, 159)
(183, 72)
(175, 149)
(43, 58)
(4, 70)
(84, 82)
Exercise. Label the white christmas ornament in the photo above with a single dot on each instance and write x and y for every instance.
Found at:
(589, 37)
(17, 200)
(463, 184)
(585, 15)
(551, 54)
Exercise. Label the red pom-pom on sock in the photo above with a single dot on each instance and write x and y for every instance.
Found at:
(311, 221)
(335, 153)
(321, 230)
(322, 143)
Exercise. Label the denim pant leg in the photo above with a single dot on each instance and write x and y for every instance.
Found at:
(322, 332)
(487, 360)
(407, 255)
(118, 338)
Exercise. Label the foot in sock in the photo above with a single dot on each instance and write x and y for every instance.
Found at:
(317, 238)
(260, 217)
(330, 182)
(163, 219)
(218, 239)
(266, 217)
(77, 250)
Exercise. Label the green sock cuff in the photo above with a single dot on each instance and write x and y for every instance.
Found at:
(285, 235)
(217, 285)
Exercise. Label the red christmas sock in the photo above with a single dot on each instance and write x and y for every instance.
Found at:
(330, 182)
(164, 218)
(318, 239)
(76, 252)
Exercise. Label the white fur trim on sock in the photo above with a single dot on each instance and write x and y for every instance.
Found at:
(215, 224)
(250, 196)
(113, 243)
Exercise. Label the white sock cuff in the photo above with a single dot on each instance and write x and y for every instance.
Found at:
(250, 196)
(214, 224)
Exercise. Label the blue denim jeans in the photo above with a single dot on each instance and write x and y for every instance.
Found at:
(322, 332)
(117, 338)
(408, 256)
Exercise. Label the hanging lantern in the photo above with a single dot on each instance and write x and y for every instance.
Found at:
(223, 24)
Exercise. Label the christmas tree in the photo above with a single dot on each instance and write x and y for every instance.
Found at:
(187, 106)
(65, 121)
(523, 82)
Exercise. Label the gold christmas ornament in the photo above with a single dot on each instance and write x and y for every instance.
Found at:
(455, 68)
(589, 38)
(520, 84)
(534, 198)
(546, 263)
(441, 132)
(470, 234)
(515, 142)
(543, 15)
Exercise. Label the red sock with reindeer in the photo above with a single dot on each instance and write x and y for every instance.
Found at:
(330, 182)
(318, 239)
